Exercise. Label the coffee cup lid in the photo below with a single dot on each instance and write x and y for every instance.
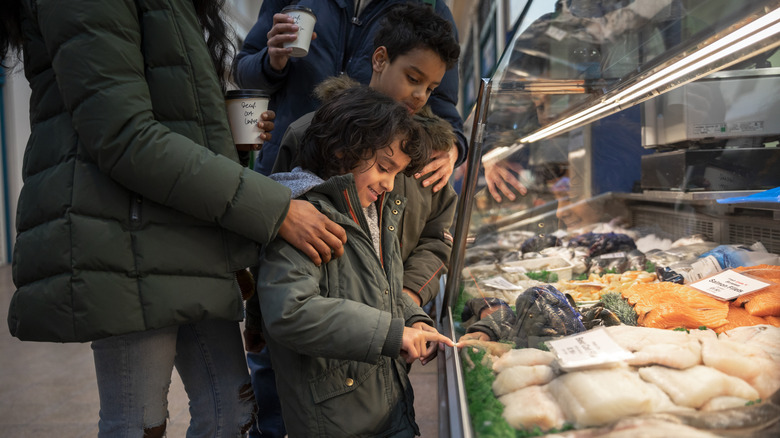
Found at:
(298, 8)
(245, 93)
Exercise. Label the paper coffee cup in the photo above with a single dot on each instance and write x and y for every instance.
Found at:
(244, 108)
(305, 19)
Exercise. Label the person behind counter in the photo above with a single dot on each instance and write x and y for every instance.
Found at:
(344, 332)
(135, 213)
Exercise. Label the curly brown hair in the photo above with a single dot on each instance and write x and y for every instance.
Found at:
(352, 126)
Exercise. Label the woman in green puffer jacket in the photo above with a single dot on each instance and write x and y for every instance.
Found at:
(135, 212)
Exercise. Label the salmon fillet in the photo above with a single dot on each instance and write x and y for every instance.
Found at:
(739, 317)
(765, 302)
(669, 305)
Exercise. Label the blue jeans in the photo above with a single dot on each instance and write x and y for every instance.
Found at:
(269, 414)
(134, 375)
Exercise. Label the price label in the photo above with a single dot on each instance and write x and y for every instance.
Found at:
(501, 283)
(728, 285)
(588, 349)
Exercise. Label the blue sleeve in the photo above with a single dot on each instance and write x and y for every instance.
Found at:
(444, 99)
(251, 67)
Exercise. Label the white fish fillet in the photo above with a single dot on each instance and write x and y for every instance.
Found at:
(749, 362)
(523, 356)
(723, 402)
(695, 386)
(675, 349)
(598, 397)
(766, 337)
(518, 377)
(530, 407)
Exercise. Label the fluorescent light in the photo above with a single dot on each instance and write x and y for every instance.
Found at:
(753, 32)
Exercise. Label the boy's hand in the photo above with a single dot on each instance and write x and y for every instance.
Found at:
(415, 344)
(312, 232)
(283, 31)
(442, 164)
(266, 124)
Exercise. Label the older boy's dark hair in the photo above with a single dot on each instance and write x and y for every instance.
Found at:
(352, 126)
(410, 26)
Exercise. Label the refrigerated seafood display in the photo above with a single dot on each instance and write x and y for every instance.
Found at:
(615, 269)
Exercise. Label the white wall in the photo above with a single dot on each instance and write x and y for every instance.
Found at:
(16, 98)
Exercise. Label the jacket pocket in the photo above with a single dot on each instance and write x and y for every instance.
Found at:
(355, 399)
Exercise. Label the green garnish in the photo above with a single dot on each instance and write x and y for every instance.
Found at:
(615, 303)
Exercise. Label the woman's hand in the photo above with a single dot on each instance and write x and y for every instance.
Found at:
(266, 124)
(312, 232)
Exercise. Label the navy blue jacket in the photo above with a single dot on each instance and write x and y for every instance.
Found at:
(342, 46)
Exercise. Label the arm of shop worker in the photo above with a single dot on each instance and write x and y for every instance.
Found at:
(98, 65)
(500, 178)
(312, 232)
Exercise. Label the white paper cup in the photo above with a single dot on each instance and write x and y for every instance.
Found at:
(305, 19)
(244, 108)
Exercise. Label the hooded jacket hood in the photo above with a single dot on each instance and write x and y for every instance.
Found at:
(299, 181)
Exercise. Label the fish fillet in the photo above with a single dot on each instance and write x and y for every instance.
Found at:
(766, 337)
(650, 346)
(695, 386)
(531, 407)
(598, 397)
(670, 305)
(723, 402)
(520, 376)
(739, 317)
(523, 356)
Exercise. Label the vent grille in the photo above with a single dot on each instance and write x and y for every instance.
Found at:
(746, 234)
(674, 225)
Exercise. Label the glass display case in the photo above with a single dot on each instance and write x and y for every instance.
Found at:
(622, 147)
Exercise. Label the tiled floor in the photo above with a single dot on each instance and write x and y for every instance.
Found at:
(49, 390)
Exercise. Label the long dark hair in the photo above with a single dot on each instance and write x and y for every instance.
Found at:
(10, 29)
(216, 31)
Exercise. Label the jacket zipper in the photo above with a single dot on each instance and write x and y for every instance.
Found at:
(355, 22)
(135, 208)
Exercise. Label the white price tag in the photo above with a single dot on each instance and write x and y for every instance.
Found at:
(587, 349)
(728, 285)
(501, 283)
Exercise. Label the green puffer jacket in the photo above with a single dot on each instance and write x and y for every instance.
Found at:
(335, 330)
(135, 212)
(426, 242)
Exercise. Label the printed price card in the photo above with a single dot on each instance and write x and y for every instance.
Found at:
(502, 283)
(728, 285)
(587, 350)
